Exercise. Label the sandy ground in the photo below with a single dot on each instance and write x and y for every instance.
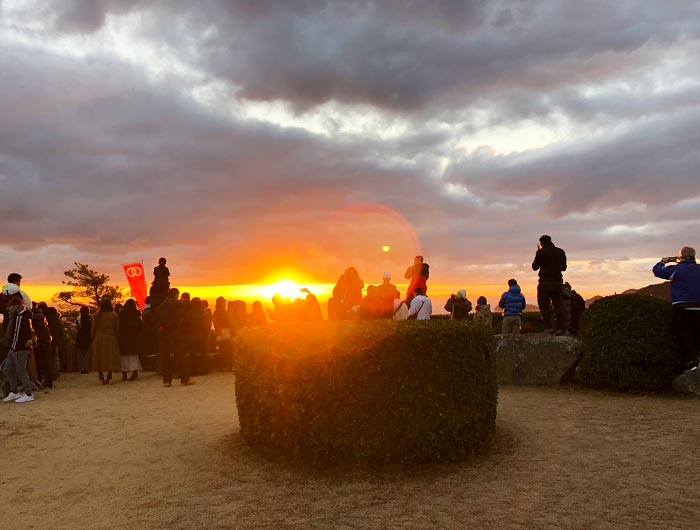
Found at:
(139, 456)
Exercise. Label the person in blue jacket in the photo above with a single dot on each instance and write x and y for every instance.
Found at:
(513, 303)
(685, 297)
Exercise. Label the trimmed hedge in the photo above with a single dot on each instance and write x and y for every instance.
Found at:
(628, 344)
(367, 392)
(532, 321)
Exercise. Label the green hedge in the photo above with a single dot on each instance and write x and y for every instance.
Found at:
(531, 321)
(367, 392)
(628, 344)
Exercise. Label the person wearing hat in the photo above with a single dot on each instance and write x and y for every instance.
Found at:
(483, 313)
(387, 292)
(685, 297)
(458, 306)
(20, 338)
(11, 288)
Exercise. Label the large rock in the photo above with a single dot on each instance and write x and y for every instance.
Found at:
(688, 382)
(536, 359)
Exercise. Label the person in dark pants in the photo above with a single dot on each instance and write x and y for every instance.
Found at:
(685, 297)
(578, 306)
(83, 340)
(551, 262)
(42, 351)
(169, 319)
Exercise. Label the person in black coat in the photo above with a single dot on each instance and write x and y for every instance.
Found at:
(83, 340)
(551, 262)
(42, 351)
(130, 328)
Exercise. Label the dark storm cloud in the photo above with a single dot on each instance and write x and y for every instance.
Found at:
(406, 55)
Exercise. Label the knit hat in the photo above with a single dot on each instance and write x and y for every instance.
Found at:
(386, 275)
(481, 300)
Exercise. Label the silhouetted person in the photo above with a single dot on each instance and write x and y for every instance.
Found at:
(222, 331)
(130, 331)
(551, 262)
(347, 294)
(458, 306)
(161, 283)
(105, 341)
(42, 350)
(578, 306)
(685, 297)
(418, 273)
(312, 309)
(149, 336)
(196, 343)
(56, 328)
(566, 300)
(372, 305)
(205, 336)
(387, 292)
(282, 309)
(83, 339)
(169, 320)
(257, 316)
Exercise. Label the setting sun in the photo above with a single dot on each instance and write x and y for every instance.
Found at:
(286, 288)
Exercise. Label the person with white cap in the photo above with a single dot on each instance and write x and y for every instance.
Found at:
(20, 337)
(387, 290)
(11, 288)
(458, 306)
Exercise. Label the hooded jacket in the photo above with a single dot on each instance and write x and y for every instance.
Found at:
(483, 315)
(512, 302)
(20, 331)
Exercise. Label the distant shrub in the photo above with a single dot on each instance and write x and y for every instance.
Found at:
(628, 344)
(367, 392)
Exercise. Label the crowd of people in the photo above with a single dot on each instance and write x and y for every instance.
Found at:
(183, 336)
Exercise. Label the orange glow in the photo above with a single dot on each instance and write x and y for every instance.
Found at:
(287, 288)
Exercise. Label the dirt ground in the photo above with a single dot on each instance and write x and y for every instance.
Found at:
(140, 456)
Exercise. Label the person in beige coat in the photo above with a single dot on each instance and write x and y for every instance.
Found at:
(105, 341)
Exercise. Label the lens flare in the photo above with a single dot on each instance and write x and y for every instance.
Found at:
(286, 288)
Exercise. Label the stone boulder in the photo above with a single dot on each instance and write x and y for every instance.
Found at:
(536, 359)
(688, 382)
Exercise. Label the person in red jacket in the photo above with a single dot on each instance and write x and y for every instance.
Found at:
(418, 273)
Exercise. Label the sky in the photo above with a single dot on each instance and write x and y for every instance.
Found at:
(249, 142)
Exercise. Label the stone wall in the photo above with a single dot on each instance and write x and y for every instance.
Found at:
(536, 359)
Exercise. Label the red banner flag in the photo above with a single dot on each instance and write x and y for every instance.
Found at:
(137, 281)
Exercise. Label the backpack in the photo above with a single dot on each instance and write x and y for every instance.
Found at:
(5, 301)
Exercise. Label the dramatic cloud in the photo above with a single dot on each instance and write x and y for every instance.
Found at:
(240, 137)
